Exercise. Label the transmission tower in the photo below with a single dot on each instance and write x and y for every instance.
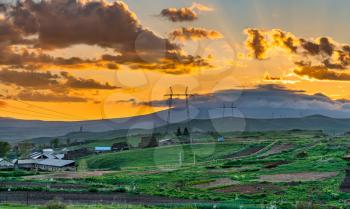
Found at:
(224, 107)
(171, 97)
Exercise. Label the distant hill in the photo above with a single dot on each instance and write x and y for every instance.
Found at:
(222, 125)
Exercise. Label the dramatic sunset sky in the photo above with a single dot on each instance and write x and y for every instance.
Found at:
(95, 59)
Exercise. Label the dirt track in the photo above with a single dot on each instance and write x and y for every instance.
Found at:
(250, 189)
(295, 177)
(39, 198)
(245, 152)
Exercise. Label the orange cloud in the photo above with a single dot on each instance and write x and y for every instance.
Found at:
(256, 44)
(185, 34)
(184, 14)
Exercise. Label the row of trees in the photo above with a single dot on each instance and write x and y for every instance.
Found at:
(184, 133)
(5, 148)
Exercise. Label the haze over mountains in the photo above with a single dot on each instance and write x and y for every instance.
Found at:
(18, 130)
(268, 107)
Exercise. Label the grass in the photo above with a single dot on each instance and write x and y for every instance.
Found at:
(144, 171)
(162, 156)
(13, 206)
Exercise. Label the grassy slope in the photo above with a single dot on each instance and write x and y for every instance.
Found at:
(161, 156)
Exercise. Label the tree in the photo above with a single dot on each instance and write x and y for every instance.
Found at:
(25, 148)
(178, 132)
(55, 142)
(186, 132)
(4, 149)
(68, 141)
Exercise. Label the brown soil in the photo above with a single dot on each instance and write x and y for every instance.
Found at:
(246, 152)
(250, 188)
(277, 149)
(271, 165)
(216, 183)
(230, 170)
(295, 177)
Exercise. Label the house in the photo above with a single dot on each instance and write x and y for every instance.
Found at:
(59, 156)
(103, 149)
(38, 155)
(148, 142)
(56, 165)
(28, 164)
(48, 151)
(79, 153)
(46, 164)
(120, 146)
(4, 164)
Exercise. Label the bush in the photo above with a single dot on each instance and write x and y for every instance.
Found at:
(120, 189)
(93, 189)
(55, 204)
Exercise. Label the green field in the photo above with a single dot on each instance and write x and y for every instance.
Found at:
(162, 156)
(233, 174)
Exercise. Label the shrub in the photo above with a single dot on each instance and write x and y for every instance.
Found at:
(55, 204)
(93, 189)
(302, 154)
(120, 189)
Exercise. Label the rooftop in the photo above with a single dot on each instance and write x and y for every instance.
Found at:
(55, 162)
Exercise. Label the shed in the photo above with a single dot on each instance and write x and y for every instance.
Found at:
(75, 154)
(48, 151)
(103, 149)
(120, 146)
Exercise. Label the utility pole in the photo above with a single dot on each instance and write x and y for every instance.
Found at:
(180, 159)
(194, 158)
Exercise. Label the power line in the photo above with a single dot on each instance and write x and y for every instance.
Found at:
(32, 111)
(27, 114)
(54, 111)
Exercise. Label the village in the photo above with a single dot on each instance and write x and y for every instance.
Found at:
(64, 158)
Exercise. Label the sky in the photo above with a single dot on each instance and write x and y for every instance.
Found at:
(72, 60)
